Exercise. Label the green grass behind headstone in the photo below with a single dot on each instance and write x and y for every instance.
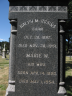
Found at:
(68, 75)
(4, 67)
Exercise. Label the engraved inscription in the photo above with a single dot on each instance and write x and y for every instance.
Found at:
(34, 81)
(23, 81)
(37, 55)
(37, 81)
(30, 64)
(37, 29)
(36, 73)
(47, 22)
(37, 37)
(38, 45)
(38, 63)
(23, 72)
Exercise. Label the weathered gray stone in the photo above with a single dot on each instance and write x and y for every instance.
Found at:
(35, 67)
(12, 61)
(4, 52)
(62, 58)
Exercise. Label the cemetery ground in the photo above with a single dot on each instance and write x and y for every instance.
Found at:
(4, 67)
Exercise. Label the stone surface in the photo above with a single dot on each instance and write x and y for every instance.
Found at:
(4, 52)
(37, 9)
(34, 52)
(36, 55)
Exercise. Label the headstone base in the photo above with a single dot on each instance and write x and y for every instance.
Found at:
(61, 90)
(11, 94)
(10, 90)
(3, 57)
(3, 54)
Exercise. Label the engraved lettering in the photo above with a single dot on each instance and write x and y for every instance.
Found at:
(52, 46)
(30, 64)
(48, 23)
(26, 37)
(42, 64)
(42, 45)
(34, 81)
(37, 29)
(23, 72)
(46, 37)
(26, 23)
(46, 56)
(34, 55)
(53, 73)
(29, 55)
(30, 21)
(22, 45)
(34, 73)
(23, 81)
(46, 82)
(38, 45)
(42, 73)
(37, 64)
(19, 72)
(48, 73)
(51, 82)
(37, 37)
(41, 82)
(30, 45)
(35, 45)
(37, 81)
(31, 37)
(36, 20)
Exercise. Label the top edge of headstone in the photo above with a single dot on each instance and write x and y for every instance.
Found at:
(38, 2)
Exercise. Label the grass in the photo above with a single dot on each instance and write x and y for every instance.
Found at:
(4, 67)
(68, 75)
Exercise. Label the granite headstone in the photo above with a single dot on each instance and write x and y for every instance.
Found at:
(4, 52)
(35, 67)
